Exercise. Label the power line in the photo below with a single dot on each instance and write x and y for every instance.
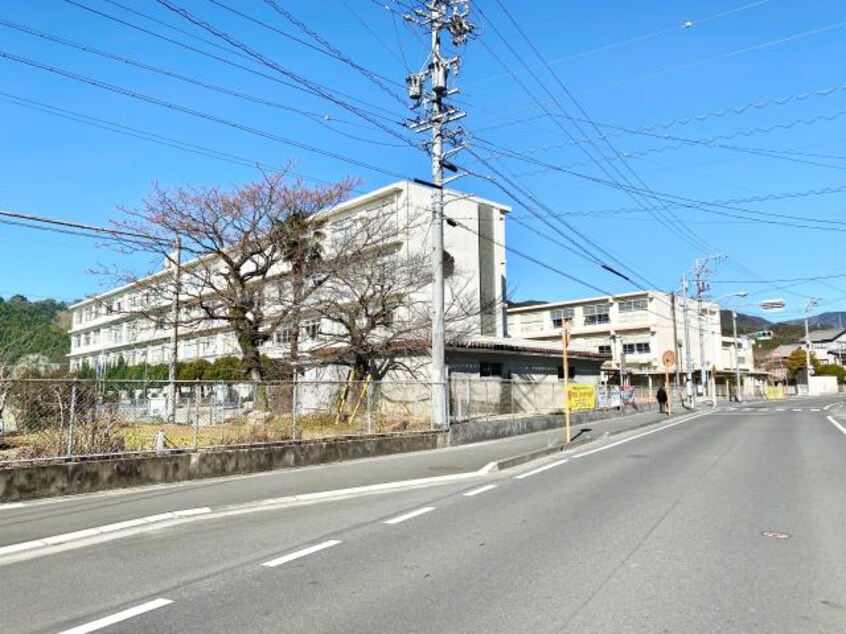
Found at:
(667, 198)
(312, 87)
(705, 116)
(330, 49)
(683, 233)
(313, 116)
(199, 114)
(709, 142)
(837, 189)
(707, 60)
(640, 38)
(290, 84)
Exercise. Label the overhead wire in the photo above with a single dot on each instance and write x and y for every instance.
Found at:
(330, 49)
(311, 86)
(385, 115)
(680, 201)
(316, 117)
(199, 114)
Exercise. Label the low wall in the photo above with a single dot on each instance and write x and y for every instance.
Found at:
(479, 431)
(70, 478)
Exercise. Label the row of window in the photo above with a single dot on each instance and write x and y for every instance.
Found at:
(594, 315)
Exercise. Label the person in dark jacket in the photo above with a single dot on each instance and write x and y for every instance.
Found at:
(661, 397)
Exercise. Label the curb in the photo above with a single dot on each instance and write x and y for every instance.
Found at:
(517, 460)
(162, 520)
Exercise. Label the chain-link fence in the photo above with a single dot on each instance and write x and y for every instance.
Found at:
(493, 398)
(75, 418)
(45, 418)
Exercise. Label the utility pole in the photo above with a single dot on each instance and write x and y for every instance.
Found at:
(676, 345)
(174, 330)
(701, 270)
(687, 350)
(809, 304)
(437, 16)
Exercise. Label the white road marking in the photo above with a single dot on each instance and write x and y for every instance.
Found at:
(815, 409)
(797, 409)
(836, 424)
(408, 516)
(829, 406)
(488, 487)
(117, 618)
(11, 505)
(64, 538)
(646, 433)
(780, 409)
(540, 469)
(284, 559)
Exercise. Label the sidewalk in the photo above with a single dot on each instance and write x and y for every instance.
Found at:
(43, 518)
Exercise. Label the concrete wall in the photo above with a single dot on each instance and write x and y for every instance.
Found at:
(478, 431)
(822, 385)
(71, 478)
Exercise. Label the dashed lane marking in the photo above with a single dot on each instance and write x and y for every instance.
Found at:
(408, 516)
(118, 617)
(284, 559)
(483, 489)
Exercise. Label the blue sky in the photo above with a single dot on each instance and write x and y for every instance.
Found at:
(746, 103)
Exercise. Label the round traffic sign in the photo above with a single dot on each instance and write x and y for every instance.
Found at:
(669, 358)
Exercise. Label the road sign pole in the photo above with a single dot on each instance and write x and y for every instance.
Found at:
(565, 342)
(668, 359)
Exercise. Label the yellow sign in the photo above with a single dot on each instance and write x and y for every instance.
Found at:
(581, 397)
(774, 392)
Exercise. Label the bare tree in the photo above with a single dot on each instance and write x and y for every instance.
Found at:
(236, 244)
(375, 300)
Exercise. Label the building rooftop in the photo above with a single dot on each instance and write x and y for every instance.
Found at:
(829, 334)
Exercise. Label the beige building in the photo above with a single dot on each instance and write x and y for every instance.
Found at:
(635, 329)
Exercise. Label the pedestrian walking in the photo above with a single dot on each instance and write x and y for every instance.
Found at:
(661, 397)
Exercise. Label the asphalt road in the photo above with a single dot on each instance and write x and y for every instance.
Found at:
(731, 522)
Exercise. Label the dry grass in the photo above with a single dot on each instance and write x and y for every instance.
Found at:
(116, 437)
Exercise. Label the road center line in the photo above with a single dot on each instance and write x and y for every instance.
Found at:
(408, 516)
(118, 617)
(836, 424)
(540, 469)
(797, 409)
(646, 433)
(487, 487)
(284, 559)
(815, 409)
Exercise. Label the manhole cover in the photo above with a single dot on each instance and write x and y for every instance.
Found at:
(775, 535)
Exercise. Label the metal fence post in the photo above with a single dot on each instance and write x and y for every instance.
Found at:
(294, 407)
(511, 395)
(369, 388)
(196, 414)
(72, 422)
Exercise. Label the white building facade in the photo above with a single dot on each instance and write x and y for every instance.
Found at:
(107, 327)
(636, 329)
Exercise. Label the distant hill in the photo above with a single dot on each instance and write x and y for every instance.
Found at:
(33, 328)
(835, 319)
(745, 323)
(784, 333)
